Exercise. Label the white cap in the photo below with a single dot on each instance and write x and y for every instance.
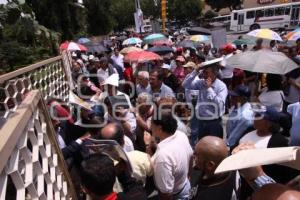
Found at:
(91, 57)
(166, 66)
(74, 54)
(112, 80)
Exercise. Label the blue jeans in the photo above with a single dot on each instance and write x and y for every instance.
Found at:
(185, 193)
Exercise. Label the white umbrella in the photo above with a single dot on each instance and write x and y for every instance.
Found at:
(262, 61)
(265, 34)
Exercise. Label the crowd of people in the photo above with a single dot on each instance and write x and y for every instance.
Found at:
(177, 119)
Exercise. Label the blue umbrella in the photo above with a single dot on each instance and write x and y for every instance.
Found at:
(84, 40)
(131, 41)
(98, 48)
(154, 37)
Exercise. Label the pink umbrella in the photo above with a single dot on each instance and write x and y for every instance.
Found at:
(141, 56)
(72, 46)
(162, 43)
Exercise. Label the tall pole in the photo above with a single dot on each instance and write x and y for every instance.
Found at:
(164, 14)
(138, 17)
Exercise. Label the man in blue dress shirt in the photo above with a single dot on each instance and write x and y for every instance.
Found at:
(210, 105)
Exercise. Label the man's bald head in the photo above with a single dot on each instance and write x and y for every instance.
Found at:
(276, 192)
(212, 150)
(113, 131)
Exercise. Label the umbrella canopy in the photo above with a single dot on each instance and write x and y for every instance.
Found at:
(199, 38)
(132, 41)
(72, 46)
(161, 50)
(199, 30)
(141, 56)
(130, 49)
(188, 44)
(265, 34)
(265, 61)
(243, 41)
(97, 48)
(162, 42)
(154, 37)
(290, 36)
(83, 40)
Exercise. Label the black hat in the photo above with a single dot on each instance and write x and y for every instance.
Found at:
(241, 91)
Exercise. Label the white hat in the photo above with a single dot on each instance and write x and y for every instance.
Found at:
(112, 80)
(91, 57)
(166, 66)
(210, 62)
(74, 54)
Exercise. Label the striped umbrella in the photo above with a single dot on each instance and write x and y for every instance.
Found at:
(129, 49)
(72, 46)
(132, 41)
(154, 37)
(141, 56)
(265, 34)
(293, 35)
(199, 38)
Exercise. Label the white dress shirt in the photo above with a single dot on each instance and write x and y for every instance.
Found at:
(119, 60)
(171, 164)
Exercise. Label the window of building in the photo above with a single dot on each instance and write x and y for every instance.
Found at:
(250, 14)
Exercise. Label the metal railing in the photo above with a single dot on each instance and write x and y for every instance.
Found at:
(32, 165)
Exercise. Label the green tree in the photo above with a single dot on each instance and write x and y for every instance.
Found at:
(122, 12)
(58, 15)
(210, 14)
(100, 20)
(184, 10)
(217, 5)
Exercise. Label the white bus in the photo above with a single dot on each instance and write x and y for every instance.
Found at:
(220, 21)
(282, 16)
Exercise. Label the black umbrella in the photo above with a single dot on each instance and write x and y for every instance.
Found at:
(97, 48)
(161, 50)
(188, 44)
(199, 31)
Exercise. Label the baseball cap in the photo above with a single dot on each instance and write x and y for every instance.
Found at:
(166, 66)
(241, 91)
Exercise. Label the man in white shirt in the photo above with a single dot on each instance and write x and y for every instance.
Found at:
(171, 164)
(118, 58)
(105, 69)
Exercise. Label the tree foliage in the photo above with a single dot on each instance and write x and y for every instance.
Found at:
(219, 4)
(184, 10)
(23, 40)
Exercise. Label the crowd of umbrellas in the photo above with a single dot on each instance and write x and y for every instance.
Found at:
(156, 46)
